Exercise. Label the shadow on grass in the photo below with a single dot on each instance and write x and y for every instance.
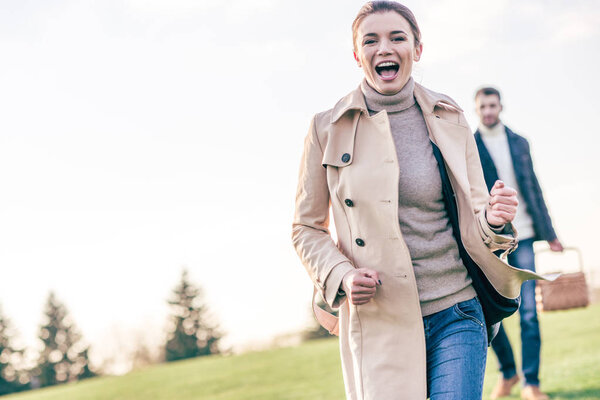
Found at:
(590, 393)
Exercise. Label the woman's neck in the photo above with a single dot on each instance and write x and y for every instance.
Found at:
(391, 103)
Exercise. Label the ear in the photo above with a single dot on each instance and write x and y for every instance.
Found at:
(357, 59)
(418, 51)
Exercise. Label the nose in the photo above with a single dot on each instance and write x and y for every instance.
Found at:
(384, 47)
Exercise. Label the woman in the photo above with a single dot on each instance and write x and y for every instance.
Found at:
(416, 226)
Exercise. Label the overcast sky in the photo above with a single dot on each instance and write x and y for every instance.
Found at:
(139, 137)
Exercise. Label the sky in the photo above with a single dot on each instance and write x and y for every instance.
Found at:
(138, 138)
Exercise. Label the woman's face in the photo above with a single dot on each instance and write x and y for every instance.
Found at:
(385, 50)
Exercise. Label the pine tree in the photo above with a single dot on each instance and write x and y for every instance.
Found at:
(191, 333)
(64, 357)
(9, 372)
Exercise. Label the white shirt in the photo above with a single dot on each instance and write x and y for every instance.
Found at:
(496, 143)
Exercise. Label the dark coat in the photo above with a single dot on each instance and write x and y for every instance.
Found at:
(529, 186)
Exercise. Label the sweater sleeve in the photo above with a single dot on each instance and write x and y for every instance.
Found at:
(547, 229)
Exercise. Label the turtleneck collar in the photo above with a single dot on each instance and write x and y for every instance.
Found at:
(494, 131)
(391, 103)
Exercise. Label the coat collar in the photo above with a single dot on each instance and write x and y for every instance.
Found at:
(428, 100)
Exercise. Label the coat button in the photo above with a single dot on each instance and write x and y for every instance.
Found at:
(360, 242)
(349, 203)
(345, 157)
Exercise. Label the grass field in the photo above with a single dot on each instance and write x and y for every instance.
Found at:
(570, 370)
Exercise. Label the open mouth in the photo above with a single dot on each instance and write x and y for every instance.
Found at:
(387, 70)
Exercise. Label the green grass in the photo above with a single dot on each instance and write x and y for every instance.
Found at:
(570, 370)
(570, 367)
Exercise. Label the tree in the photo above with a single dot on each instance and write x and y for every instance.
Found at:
(64, 357)
(9, 372)
(191, 333)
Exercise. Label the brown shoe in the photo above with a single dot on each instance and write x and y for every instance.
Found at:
(532, 392)
(503, 387)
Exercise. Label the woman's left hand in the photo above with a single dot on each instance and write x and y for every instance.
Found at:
(502, 207)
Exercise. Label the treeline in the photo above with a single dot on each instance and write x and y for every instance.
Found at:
(64, 356)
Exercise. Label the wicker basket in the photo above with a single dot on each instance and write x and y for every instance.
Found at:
(570, 290)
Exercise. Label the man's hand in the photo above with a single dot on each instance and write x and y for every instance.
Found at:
(555, 245)
(360, 285)
(502, 207)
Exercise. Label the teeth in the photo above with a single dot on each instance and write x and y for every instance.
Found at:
(387, 64)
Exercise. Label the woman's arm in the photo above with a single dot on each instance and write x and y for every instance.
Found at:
(323, 261)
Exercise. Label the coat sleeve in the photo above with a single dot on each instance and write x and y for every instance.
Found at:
(505, 240)
(548, 230)
(324, 262)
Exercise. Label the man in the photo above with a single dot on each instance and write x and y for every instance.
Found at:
(505, 155)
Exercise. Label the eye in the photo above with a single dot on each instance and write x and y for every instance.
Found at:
(399, 39)
(368, 41)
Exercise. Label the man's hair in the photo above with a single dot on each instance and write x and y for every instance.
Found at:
(488, 91)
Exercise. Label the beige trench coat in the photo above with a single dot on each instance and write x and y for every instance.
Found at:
(351, 155)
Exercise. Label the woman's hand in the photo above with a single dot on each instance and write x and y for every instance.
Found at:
(502, 207)
(360, 285)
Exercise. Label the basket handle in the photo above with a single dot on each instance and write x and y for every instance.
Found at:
(568, 248)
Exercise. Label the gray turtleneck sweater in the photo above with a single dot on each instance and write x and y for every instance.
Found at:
(442, 279)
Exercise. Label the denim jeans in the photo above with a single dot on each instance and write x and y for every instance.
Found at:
(523, 258)
(456, 341)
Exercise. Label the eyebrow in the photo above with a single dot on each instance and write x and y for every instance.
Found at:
(391, 33)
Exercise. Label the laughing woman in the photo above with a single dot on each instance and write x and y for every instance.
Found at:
(413, 273)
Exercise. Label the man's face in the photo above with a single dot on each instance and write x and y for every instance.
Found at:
(488, 108)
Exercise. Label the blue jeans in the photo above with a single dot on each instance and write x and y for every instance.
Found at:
(523, 258)
(456, 341)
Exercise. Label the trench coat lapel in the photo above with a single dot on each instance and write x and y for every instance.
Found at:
(448, 135)
(342, 130)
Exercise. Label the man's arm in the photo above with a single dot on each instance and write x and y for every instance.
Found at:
(548, 232)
